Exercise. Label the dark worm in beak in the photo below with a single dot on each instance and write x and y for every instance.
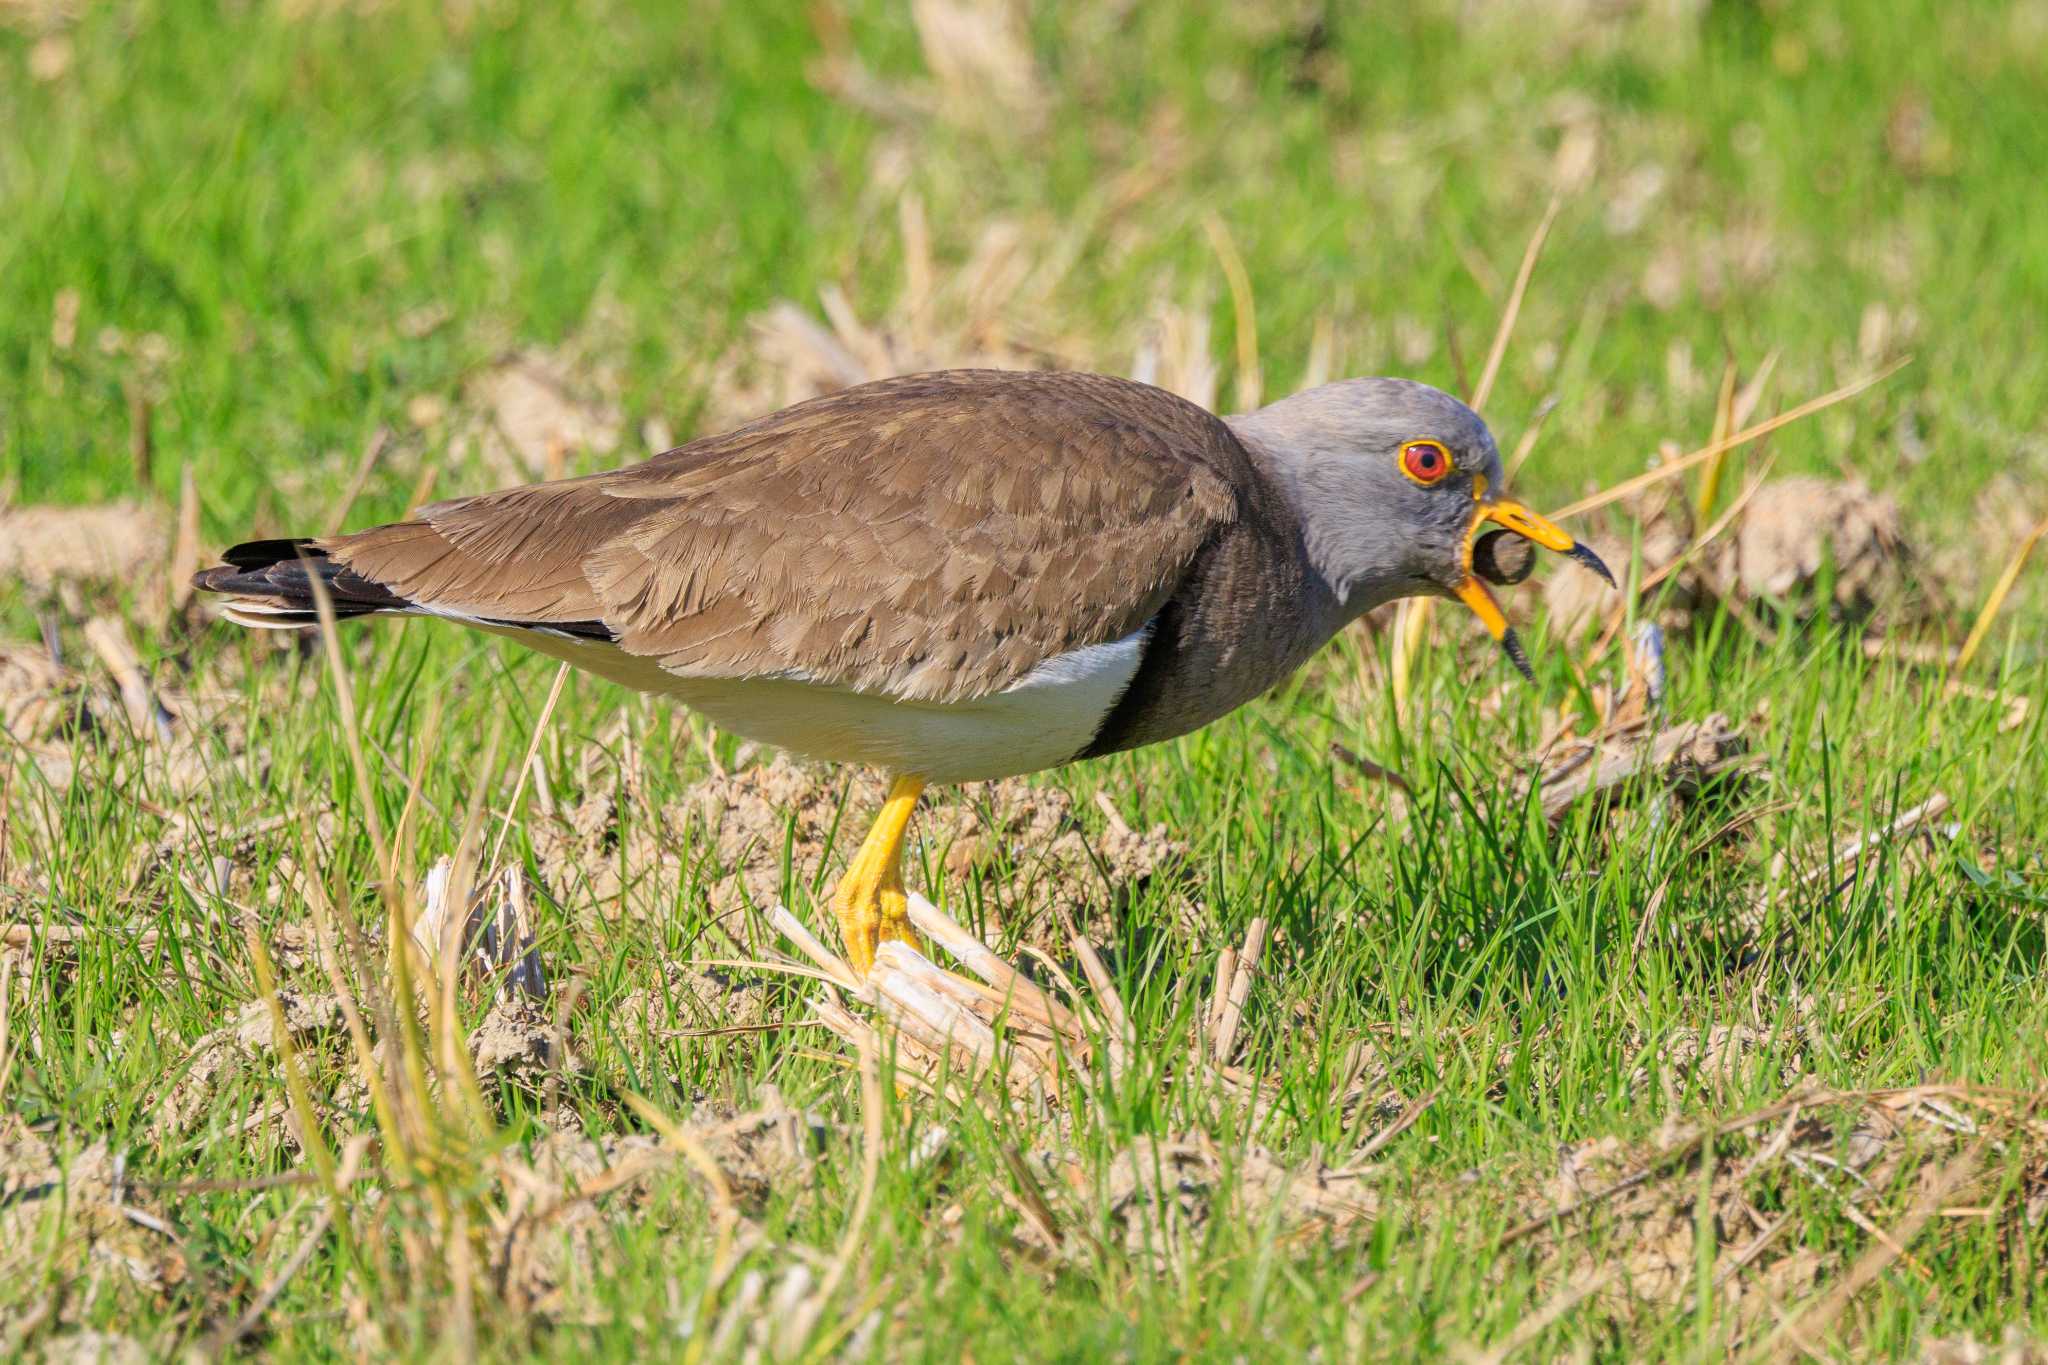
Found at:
(1493, 557)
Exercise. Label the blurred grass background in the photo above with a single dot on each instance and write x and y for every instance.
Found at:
(249, 200)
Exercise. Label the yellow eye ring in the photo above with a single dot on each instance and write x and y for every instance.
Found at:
(1425, 462)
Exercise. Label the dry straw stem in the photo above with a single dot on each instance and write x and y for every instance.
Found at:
(6, 1032)
(1249, 383)
(310, 1140)
(949, 1033)
(1682, 756)
(366, 464)
(108, 637)
(1581, 1288)
(686, 1144)
(350, 1169)
(540, 727)
(1619, 616)
(1483, 390)
(1223, 1042)
(1724, 422)
(1526, 446)
(1412, 617)
(1999, 592)
(1838, 865)
(185, 549)
(1805, 1330)
(1671, 469)
(1731, 411)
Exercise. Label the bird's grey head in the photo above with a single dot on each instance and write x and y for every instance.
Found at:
(1392, 481)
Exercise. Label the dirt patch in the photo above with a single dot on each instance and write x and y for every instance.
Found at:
(517, 1039)
(114, 544)
(747, 818)
(1158, 1197)
(217, 1057)
(555, 1235)
(1053, 871)
(78, 1218)
(37, 695)
(1809, 1198)
(700, 1002)
(532, 412)
(2013, 1348)
(1794, 528)
(735, 831)
(1719, 1058)
(93, 1348)
(1790, 541)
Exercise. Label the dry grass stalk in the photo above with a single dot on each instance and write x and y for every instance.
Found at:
(1413, 616)
(108, 637)
(1999, 592)
(1733, 409)
(1685, 558)
(951, 1034)
(526, 765)
(1671, 469)
(1223, 1042)
(1249, 383)
(1905, 1165)
(1512, 311)
(366, 464)
(1681, 758)
(1820, 1315)
(185, 550)
(1837, 865)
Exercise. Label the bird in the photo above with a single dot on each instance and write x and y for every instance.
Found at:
(954, 576)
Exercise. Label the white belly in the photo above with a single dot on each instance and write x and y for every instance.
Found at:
(1039, 722)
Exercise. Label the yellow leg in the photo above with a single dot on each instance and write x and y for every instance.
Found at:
(869, 901)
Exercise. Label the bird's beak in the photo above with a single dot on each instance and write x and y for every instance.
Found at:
(1474, 594)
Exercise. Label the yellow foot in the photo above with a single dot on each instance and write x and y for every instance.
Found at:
(870, 902)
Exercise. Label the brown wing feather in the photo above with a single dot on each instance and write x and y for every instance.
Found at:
(932, 537)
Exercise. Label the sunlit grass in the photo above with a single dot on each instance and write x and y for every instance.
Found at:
(271, 194)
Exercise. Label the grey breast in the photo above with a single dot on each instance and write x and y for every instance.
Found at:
(1247, 613)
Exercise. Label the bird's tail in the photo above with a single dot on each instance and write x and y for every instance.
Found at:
(269, 585)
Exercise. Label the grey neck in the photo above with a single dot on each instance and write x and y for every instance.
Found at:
(1349, 588)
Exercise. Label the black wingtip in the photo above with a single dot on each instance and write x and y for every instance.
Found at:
(1511, 645)
(1584, 554)
(261, 554)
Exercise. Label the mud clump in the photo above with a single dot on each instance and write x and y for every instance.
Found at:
(250, 1041)
(1794, 540)
(702, 1000)
(532, 413)
(117, 543)
(737, 832)
(111, 1231)
(517, 1039)
(1157, 1196)
(1051, 869)
(1794, 528)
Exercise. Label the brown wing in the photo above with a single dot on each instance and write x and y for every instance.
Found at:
(933, 537)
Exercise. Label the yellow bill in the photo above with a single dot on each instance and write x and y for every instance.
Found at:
(1475, 594)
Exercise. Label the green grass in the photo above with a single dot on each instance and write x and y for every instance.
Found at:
(270, 194)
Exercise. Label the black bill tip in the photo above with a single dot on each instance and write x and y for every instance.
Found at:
(1584, 554)
(1511, 645)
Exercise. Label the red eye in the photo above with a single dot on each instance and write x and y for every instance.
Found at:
(1425, 461)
